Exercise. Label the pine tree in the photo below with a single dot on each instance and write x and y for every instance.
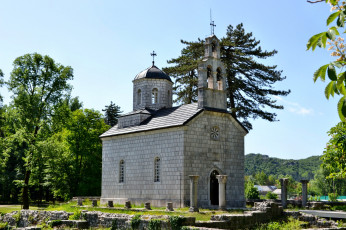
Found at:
(112, 112)
(249, 84)
(185, 72)
(1, 83)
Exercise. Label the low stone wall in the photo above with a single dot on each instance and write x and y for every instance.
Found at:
(313, 221)
(26, 218)
(263, 212)
(298, 203)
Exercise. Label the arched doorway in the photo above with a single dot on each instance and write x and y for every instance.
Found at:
(214, 188)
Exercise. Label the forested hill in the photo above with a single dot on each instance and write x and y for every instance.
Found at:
(298, 169)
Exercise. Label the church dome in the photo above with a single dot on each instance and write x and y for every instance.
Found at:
(152, 73)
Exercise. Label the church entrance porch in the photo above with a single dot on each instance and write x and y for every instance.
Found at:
(214, 188)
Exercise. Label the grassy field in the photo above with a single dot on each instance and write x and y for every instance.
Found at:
(11, 208)
(203, 215)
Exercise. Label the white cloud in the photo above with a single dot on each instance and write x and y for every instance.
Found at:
(300, 110)
(295, 107)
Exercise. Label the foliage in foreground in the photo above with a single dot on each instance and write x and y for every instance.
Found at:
(333, 39)
(334, 157)
(290, 224)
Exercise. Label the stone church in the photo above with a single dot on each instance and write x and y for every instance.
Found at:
(150, 154)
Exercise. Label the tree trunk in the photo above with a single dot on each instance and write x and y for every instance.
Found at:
(25, 194)
(231, 97)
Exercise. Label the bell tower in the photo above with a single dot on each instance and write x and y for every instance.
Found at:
(211, 80)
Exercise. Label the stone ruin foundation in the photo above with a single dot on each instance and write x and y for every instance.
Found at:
(262, 212)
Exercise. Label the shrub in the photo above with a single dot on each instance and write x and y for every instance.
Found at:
(135, 221)
(252, 193)
(333, 196)
(314, 198)
(271, 195)
(114, 224)
(176, 222)
(55, 223)
(290, 224)
(78, 215)
(17, 216)
(341, 223)
(154, 224)
(339, 207)
(3, 225)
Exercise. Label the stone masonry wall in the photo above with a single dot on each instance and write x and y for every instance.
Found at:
(146, 86)
(132, 120)
(138, 151)
(203, 154)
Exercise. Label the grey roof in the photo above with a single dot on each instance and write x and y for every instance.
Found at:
(265, 188)
(141, 111)
(153, 73)
(163, 118)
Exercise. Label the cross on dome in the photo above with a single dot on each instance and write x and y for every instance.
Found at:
(153, 54)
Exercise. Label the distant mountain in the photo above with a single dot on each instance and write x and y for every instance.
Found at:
(298, 169)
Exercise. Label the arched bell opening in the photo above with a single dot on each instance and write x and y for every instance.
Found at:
(210, 77)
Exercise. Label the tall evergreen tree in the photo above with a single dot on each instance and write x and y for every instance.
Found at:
(185, 72)
(1, 83)
(249, 83)
(112, 112)
(1, 105)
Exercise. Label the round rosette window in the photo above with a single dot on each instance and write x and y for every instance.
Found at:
(215, 133)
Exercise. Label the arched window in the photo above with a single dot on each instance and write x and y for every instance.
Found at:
(157, 169)
(219, 79)
(139, 97)
(168, 96)
(154, 96)
(210, 77)
(122, 171)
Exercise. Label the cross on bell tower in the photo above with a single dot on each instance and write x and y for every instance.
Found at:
(153, 54)
(212, 25)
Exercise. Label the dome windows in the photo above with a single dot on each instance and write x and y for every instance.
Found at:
(155, 96)
(139, 97)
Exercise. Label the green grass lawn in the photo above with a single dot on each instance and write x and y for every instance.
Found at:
(203, 215)
(11, 208)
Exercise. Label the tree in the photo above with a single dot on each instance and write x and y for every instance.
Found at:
(38, 84)
(333, 39)
(185, 72)
(334, 157)
(249, 83)
(1, 83)
(74, 156)
(84, 130)
(271, 195)
(251, 192)
(112, 113)
(1, 105)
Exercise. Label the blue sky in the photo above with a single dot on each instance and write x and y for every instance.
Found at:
(108, 42)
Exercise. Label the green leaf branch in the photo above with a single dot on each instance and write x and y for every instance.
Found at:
(334, 70)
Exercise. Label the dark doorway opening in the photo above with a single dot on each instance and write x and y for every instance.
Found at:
(214, 188)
